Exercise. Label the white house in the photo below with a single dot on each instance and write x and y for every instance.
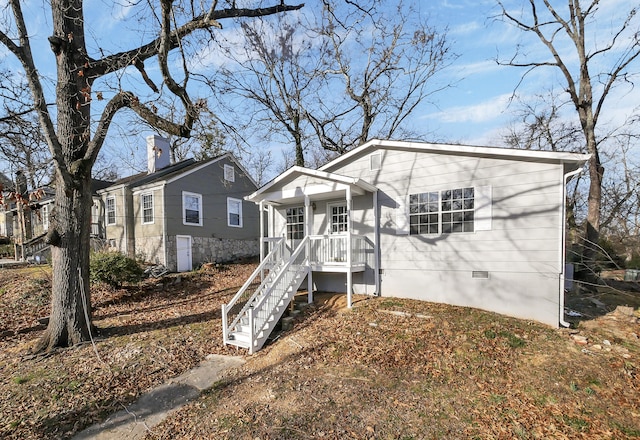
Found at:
(472, 226)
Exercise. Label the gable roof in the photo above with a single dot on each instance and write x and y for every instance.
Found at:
(174, 172)
(296, 171)
(572, 161)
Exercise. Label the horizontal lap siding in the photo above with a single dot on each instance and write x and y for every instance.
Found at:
(521, 252)
(525, 212)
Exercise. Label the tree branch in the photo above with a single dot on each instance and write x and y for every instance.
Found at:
(24, 55)
(120, 60)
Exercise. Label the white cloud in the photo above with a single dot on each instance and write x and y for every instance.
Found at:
(476, 113)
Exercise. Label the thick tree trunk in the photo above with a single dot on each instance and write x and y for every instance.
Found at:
(70, 318)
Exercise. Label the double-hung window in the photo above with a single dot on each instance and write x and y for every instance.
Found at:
(443, 212)
(111, 210)
(191, 209)
(146, 202)
(234, 212)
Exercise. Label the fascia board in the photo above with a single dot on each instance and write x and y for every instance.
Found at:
(495, 152)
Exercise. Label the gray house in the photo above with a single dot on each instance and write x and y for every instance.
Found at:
(185, 214)
(471, 226)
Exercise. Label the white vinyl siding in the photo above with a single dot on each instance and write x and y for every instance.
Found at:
(191, 209)
(234, 212)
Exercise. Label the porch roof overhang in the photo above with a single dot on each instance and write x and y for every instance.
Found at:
(323, 185)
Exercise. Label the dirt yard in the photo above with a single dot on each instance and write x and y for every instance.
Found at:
(386, 369)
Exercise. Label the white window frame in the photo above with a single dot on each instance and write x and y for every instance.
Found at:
(229, 173)
(107, 211)
(449, 211)
(344, 214)
(198, 197)
(295, 230)
(143, 209)
(231, 203)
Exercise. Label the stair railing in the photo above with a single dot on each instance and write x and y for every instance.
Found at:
(262, 310)
(233, 311)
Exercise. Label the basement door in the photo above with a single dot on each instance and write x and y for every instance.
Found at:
(183, 248)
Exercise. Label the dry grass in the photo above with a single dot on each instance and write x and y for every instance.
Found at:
(430, 371)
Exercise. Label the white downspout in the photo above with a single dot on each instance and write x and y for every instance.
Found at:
(563, 246)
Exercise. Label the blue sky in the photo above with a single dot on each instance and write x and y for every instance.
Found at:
(478, 109)
(475, 110)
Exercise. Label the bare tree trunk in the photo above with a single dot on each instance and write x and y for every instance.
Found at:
(70, 318)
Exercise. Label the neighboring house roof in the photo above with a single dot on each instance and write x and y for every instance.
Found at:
(572, 160)
(296, 171)
(97, 185)
(173, 172)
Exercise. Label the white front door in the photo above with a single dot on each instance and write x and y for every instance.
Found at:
(338, 225)
(183, 248)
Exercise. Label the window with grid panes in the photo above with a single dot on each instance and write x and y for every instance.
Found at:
(423, 213)
(457, 210)
(147, 208)
(295, 223)
(111, 210)
(339, 219)
(444, 212)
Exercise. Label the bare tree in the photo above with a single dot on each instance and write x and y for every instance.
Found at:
(386, 62)
(540, 125)
(22, 144)
(334, 78)
(567, 36)
(75, 142)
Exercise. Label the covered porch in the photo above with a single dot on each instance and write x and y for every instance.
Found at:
(316, 209)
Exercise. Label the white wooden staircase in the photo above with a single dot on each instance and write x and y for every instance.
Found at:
(252, 314)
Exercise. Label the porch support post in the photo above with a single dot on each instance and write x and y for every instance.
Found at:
(308, 217)
(376, 242)
(261, 243)
(349, 245)
(271, 221)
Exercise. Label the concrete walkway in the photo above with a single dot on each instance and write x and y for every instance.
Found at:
(156, 405)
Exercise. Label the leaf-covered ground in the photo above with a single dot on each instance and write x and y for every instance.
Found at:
(387, 368)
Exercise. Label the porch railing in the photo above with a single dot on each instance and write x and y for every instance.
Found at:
(333, 249)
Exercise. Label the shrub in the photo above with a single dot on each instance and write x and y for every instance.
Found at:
(114, 269)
